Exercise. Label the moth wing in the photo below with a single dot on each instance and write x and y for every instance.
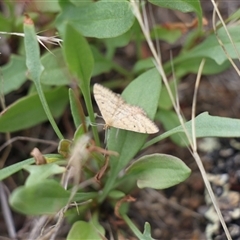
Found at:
(134, 119)
(107, 101)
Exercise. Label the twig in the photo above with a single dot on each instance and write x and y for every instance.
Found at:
(10, 141)
(7, 215)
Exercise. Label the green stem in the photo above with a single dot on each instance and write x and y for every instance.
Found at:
(89, 106)
(47, 111)
(131, 225)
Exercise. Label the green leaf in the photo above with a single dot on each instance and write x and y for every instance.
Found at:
(35, 68)
(115, 42)
(46, 197)
(102, 19)
(210, 48)
(64, 147)
(147, 232)
(78, 55)
(183, 65)
(181, 5)
(80, 61)
(47, 6)
(5, 23)
(84, 196)
(74, 108)
(235, 16)
(83, 230)
(116, 194)
(81, 3)
(205, 126)
(144, 92)
(165, 101)
(143, 65)
(119, 41)
(53, 158)
(192, 66)
(95, 222)
(28, 111)
(102, 64)
(78, 133)
(13, 74)
(10, 170)
(213, 126)
(162, 33)
(33, 62)
(158, 171)
(38, 173)
(169, 119)
(55, 69)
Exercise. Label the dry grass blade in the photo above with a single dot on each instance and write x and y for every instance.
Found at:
(219, 40)
(41, 39)
(225, 27)
(191, 140)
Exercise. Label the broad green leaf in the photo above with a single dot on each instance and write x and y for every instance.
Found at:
(102, 64)
(182, 67)
(35, 68)
(13, 74)
(210, 48)
(144, 92)
(170, 120)
(158, 171)
(33, 62)
(5, 23)
(83, 230)
(205, 126)
(181, 5)
(28, 111)
(235, 16)
(192, 66)
(10, 170)
(85, 196)
(143, 65)
(78, 55)
(213, 126)
(165, 101)
(47, 6)
(162, 33)
(55, 69)
(80, 61)
(47, 197)
(119, 41)
(81, 3)
(115, 42)
(102, 19)
(38, 173)
(95, 222)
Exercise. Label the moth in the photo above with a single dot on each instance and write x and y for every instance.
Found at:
(119, 114)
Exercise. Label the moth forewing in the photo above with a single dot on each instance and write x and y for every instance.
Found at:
(119, 114)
